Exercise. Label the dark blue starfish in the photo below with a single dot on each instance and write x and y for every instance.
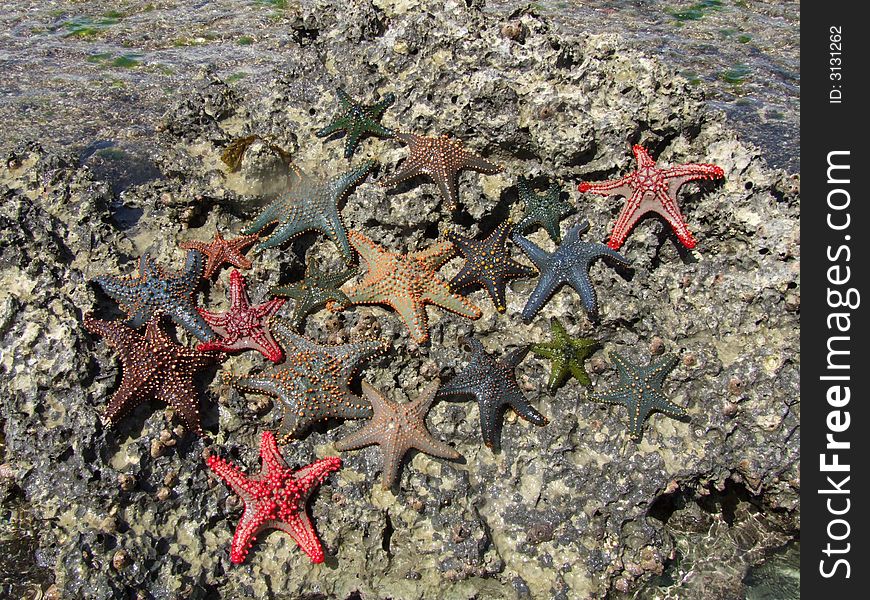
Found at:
(156, 289)
(640, 391)
(568, 264)
(493, 384)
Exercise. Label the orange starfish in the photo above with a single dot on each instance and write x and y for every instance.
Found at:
(407, 282)
(221, 251)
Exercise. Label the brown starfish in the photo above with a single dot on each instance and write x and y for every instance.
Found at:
(407, 282)
(221, 251)
(244, 327)
(441, 158)
(397, 428)
(153, 368)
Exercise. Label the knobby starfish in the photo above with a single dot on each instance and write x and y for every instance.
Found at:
(221, 251)
(357, 120)
(640, 391)
(651, 189)
(407, 282)
(545, 209)
(155, 289)
(311, 385)
(311, 204)
(489, 264)
(153, 367)
(492, 382)
(440, 158)
(568, 264)
(244, 327)
(275, 498)
(397, 428)
(566, 355)
(316, 290)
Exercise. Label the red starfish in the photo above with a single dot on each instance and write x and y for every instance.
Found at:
(651, 189)
(221, 251)
(275, 498)
(244, 327)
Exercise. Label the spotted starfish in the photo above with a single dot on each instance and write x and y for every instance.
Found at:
(244, 327)
(488, 263)
(651, 189)
(357, 120)
(397, 428)
(221, 251)
(311, 204)
(316, 290)
(566, 355)
(407, 283)
(440, 158)
(568, 264)
(155, 289)
(153, 368)
(275, 498)
(492, 382)
(545, 210)
(640, 391)
(311, 385)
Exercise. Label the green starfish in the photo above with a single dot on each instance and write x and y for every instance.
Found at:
(357, 120)
(316, 290)
(545, 210)
(640, 390)
(310, 204)
(566, 355)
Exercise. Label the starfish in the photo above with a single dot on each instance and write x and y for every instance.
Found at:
(274, 498)
(397, 428)
(244, 327)
(441, 158)
(153, 368)
(640, 391)
(566, 355)
(312, 204)
(493, 384)
(221, 251)
(489, 264)
(156, 289)
(545, 210)
(357, 120)
(651, 189)
(316, 290)
(407, 282)
(311, 384)
(568, 264)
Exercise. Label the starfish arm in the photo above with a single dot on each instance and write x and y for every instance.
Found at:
(381, 106)
(661, 404)
(339, 124)
(579, 280)
(367, 249)
(120, 337)
(679, 175)
(447, 185)
(368, 435)
(644, 160)
(624, 368)
(250, 525)
(294, 290)
(544, 350)
(547, 285)
(127, 397)
(391, 463)
(340, 184)
(351, 141)
(579, 373)
(313, 475)
(636, 417)
(515, 356)
(435, 255)
(671, 212)
(379, 130)
(466, 277)
(193, 265)
(182, 396)
(496, 291)
(227, 471)
(192, 321)
(628, 217)
(262, 384)
(490, 423)
(424, 401)
(238, 292)
(462, 384)
(431, 445)
(536, 254)
(352, 355)
(333, 227)
(615, 187)
(270, 214)
(558, 373)
(521, 406)
(475, 162)
(441, 295)
(194, 245)
(615, 396)
(413, 313)
(410, 168)
(300, 528)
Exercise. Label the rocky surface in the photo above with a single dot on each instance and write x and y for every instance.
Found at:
(574, 509)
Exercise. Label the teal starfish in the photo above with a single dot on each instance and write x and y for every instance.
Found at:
(316, 290)
(358, 120)
(566, 356)
(545, 210)
(311, 204)
(640, 391)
